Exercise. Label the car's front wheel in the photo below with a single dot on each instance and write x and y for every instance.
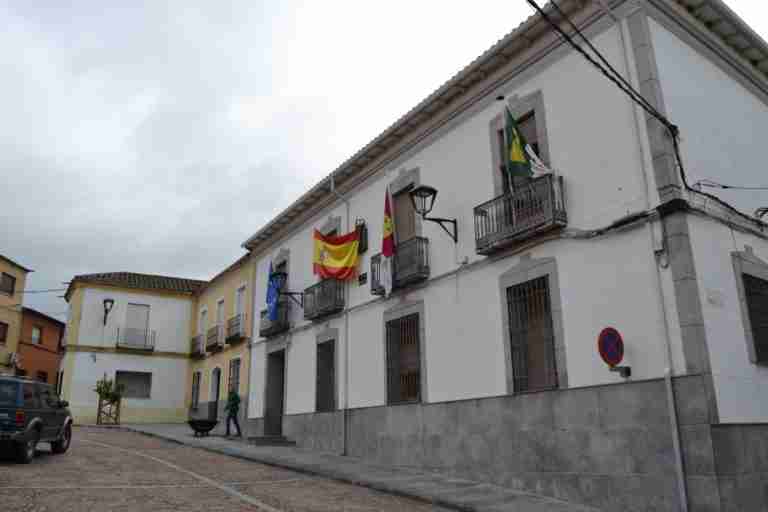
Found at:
(26, 450)
(62, 445)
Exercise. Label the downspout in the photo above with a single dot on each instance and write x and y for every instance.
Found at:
(671, 401)
(346, 330)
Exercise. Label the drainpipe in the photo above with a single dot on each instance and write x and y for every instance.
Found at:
(668, 360)
(346, 329)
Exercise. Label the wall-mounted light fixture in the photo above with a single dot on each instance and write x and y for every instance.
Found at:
(423, 199)
(108, 305)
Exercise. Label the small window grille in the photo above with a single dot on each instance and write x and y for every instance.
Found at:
(403, 359)
(756, 292)
(532, 339)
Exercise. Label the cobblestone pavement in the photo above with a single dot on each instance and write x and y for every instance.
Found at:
(111, 470)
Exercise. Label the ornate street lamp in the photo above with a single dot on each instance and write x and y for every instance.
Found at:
(108, 305)
(423, 199)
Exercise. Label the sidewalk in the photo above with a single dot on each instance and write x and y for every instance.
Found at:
(428, 486)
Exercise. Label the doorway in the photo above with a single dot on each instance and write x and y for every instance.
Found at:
(273, 417)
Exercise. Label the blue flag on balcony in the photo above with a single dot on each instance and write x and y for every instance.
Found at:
(273, 293)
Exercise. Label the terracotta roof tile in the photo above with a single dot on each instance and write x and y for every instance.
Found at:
(140, 281)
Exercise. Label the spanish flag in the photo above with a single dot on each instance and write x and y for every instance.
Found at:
(336, 256)
(518, 163)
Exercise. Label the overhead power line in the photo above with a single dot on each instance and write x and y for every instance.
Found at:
(51, 290)
(713, 184)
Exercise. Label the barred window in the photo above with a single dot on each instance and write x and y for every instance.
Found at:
(756, 292)
(403, 360)
(134, 384)
(195, 389)
(234, 375)
(532, 339)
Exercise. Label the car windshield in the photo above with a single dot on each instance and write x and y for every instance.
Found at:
(7, 393)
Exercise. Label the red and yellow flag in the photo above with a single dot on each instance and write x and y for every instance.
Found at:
(335, 257)
(388, 238)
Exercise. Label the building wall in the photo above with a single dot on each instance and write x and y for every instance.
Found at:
(224, 287)
(603, 281)
(739, 384)
(44, 356)
(10, 313)
(169, 318)
(92, 353)
(719, 118)
(608, 446)
(169, 377)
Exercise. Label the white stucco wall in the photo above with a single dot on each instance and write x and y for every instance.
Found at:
(721, 122)
(739, 384)
(603, 282)
(168, 317)
(169, 383)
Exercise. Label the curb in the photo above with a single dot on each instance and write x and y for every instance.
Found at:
(342, 476)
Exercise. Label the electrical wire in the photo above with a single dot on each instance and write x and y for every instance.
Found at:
(713, 184)
(51, 290)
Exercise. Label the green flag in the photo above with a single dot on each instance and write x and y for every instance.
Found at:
(518, 163)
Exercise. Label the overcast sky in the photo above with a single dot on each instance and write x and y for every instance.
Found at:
(157, 137)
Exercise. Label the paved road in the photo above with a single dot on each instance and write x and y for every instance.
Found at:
(124, 471)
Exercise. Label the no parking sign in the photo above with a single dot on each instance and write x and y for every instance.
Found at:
(610, 345)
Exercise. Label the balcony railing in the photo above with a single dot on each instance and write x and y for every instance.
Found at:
(236, 329)
(269, 327)
(135, 339)
(323, 298)
(410, 265)
(197, 346)
(215, 338)
(501, 222)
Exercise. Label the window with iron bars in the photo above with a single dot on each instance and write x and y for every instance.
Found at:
(403, 360)
(756, 292)
(195, 389)
(234, 375)
(532, 339)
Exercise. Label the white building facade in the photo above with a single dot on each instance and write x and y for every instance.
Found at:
(483, 361)
(137, 336)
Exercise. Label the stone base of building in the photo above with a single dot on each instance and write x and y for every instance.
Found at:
(609, 446)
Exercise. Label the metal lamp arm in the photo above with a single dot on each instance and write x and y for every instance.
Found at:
(454, 234)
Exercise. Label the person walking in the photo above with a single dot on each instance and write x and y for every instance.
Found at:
(232, 408)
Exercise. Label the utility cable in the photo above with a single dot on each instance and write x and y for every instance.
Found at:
(51, 290)
(713, 184)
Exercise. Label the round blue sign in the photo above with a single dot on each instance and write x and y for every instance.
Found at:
(610, 345)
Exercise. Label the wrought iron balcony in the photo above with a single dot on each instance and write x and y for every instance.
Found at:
(197, 346)
(323, 298)
(135, 339)
(269, 327)
(410, 265)
(520, 215)
(236, 329)
(215, 338)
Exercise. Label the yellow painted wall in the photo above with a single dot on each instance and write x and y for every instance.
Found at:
(10, 313)
(224, 286)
